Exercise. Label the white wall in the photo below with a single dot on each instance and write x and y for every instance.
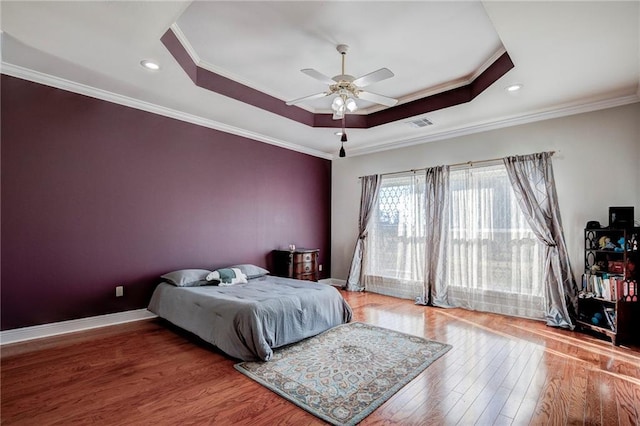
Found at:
(597, 166)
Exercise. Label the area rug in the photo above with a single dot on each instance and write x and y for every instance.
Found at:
(345, 373)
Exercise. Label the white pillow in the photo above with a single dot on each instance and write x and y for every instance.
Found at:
(227, 276)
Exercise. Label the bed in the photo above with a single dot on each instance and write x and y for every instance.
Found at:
(247, 321)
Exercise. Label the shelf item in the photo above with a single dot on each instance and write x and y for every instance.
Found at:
(607, 302)
(301, 264)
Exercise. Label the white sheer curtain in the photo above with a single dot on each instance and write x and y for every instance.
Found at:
(493, 259)
(395, 247)
(489, 258)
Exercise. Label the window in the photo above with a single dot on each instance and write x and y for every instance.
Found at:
(493, 261)
(396, 238)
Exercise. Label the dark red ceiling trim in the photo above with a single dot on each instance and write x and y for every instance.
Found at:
(232, 89)
(352, 121)
(491, 74)
(180, 54)
(445, 99)
(435, 102)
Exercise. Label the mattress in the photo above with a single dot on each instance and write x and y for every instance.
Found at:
(247, 321)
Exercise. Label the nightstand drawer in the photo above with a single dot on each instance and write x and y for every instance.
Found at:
(303, 268)
(304, 257)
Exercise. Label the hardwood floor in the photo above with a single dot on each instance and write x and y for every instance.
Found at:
(501, 370)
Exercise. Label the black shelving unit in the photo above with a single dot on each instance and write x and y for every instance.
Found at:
(611, 259)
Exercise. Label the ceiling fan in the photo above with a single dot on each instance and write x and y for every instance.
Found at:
(348, 88)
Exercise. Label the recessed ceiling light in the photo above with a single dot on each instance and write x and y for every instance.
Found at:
(150, 65)
(338, 133)
(514, 87)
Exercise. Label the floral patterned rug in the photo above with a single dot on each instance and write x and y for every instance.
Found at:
(345, 373)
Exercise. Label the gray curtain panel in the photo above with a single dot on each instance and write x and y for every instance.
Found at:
(535, 189)
(437, 204)
(368, 199)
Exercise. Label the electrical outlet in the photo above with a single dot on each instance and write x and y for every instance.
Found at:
(320, 267)
(119, 291)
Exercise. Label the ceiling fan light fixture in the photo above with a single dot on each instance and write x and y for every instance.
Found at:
(342, 103)
(351, 105)
(337, 104)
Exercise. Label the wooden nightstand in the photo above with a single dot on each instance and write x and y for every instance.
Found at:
(301, 264)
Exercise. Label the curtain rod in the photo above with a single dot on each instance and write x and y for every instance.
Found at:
(466, 163)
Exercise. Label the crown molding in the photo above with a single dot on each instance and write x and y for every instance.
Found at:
(499, 124)
(183, 52)
(82, 89)
(180, 35)
(449, 85)
(420, 94)
(199, 62)
(59, 83)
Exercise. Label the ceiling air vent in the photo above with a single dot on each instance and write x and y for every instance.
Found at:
(420, 122)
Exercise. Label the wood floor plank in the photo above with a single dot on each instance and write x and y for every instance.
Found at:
(625, 402)
(609, 405)
(553, 401)
(500, 371)
(593, 410)
(519, 383)
(488, 388)
(636, 392)
(491, 413)
(577, 395)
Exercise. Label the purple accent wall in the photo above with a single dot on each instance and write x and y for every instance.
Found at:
(95, 195)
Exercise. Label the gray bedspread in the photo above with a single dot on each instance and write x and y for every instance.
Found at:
(247, 321)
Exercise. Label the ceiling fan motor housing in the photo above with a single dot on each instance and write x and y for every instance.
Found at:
(342, 48)
(344, 87)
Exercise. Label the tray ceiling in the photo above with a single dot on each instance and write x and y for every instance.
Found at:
(570, 57)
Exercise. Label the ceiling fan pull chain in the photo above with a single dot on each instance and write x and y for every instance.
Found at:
(343, 137)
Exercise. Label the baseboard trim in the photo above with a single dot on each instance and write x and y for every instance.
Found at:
(71, 326)
(334, 282)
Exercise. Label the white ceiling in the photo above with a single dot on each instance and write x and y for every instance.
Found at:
(305, 34)
(571, 57)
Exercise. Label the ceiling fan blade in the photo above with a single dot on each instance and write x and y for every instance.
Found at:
(307, 98)
(379, 99)
(373, 77)
(318, 76)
